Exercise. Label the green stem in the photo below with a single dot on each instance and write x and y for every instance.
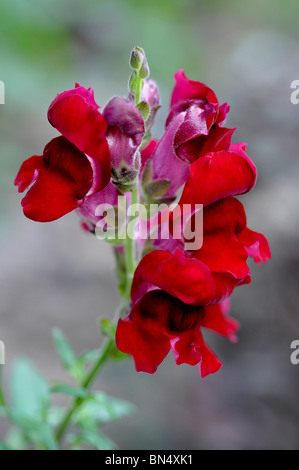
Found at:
(130, 254)
(86, 384)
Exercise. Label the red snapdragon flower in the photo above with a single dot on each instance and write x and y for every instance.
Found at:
(73, 165)
(194, 127)
(175, 294)
(172, 298)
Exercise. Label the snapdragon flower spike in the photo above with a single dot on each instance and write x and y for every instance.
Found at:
(171, 296)
(73, 165)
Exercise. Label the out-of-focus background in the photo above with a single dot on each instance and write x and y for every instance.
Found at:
(54, 275)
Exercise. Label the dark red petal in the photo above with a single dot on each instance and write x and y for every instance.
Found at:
(29, 172)
(159, 321)
(216, 319)
(223, 112)
(147, 153)
(189, 348)
(186, 279)
(217, 139)
(75, 114)
(223, 253)
(143, 333)
(216, 176)
(186, 89)
(255, 244)
(226, 214)
(61, 187)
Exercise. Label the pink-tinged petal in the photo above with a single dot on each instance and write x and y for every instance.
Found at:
(29, 172)
(186, 279)
(143, 333)
(166, 164)
(196, 125)
(186, 89)
(189, 348)
(255, 244)
(75, 114)
(216, 176)
(219, 138)
(223, 112)
(216, 319)
(88, 210)
(124, 135)
(150, 93)
(61, 185)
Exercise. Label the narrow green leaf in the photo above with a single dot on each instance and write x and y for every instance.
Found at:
(102, 409)
(69, 390)
(64, 349)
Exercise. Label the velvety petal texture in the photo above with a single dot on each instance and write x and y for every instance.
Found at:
(218, 175)
(62, 177)
(159, 322)
(74, 113)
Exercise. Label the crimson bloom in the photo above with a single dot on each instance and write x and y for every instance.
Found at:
(194, 127)
(172, 300)
(175, 294)
(73, 165)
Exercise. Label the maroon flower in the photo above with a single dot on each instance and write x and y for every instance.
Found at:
(73, 165)
(194, 128)
(172, 297)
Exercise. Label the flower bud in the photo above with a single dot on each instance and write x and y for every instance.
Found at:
(136, 59)
(133, 82)
(143, 108)
(144, 70)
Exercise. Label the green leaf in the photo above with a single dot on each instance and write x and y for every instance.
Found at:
(64, 349)
(97, 440)
(4, 446)
(29, 392)
(69, 390)
(102, 409)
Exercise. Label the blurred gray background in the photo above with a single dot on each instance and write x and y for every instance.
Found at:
(54, 275)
